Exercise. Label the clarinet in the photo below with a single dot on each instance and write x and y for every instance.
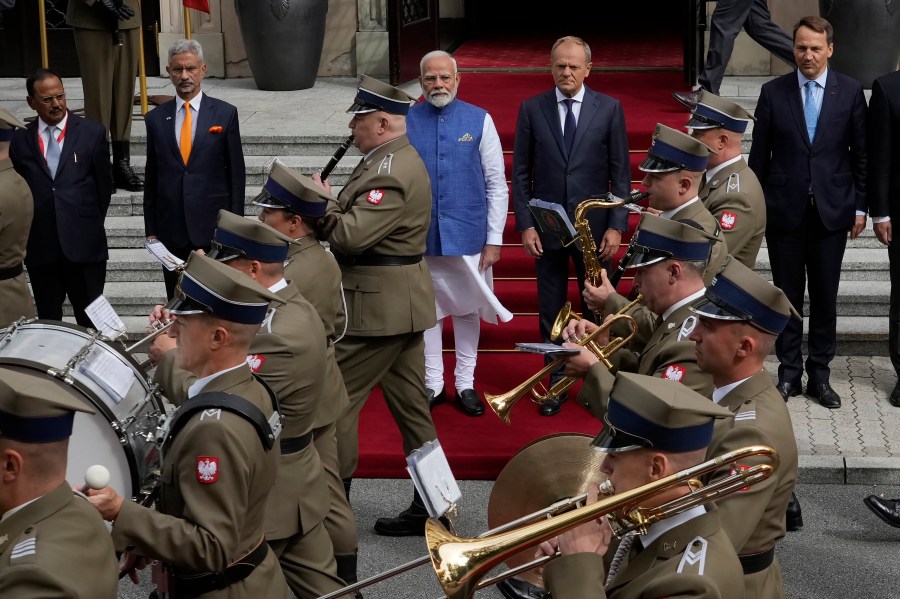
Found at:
(338, 154)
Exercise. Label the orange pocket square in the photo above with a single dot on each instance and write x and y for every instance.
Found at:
(216, 129)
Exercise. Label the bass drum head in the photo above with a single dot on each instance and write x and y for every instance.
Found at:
(93, 442)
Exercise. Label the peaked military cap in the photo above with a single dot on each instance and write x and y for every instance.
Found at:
(239, 237)
(35, 407)
(648, 411)
(289, 190)
(657, 239)
(738, 293)
(374, 95)
(713, 112)
(673, 150)
(210, 287)
(8, 125)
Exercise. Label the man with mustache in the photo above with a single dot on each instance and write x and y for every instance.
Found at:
(461, 150)
(195, 164)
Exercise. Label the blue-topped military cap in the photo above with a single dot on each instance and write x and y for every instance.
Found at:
(239, 237)
(8, 125)
(673, 150)
(289, 190)
(36, 408)
(651, 412)
(210, 287)
(658, 239)
(737, 293)
(713, 112)
(373, 95)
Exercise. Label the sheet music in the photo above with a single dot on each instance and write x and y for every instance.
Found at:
(109, 372)
(104, 318)
(159, 251)
(430, 472)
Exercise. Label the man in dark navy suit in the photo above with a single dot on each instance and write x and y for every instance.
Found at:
(809, 152)
(65, 160)
(195, 164)
(571, 145)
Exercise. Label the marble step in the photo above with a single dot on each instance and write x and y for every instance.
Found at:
(257, 167)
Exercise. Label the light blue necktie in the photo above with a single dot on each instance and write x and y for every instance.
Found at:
(53, 151)
(809, 110)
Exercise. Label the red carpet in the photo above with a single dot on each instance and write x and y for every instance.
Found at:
(607, 52)
(478, 448)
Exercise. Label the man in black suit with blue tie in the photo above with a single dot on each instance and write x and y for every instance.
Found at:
(809, 152)
(65, 161)
(571, 145)
(195, 164)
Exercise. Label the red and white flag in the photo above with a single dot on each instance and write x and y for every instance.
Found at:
(201, 5)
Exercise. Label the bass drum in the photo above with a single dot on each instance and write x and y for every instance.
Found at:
(122, 432)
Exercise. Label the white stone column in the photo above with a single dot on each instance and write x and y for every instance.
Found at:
(372, 38)
(205, 28)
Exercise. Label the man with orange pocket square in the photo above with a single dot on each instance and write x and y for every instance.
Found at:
(195, 164)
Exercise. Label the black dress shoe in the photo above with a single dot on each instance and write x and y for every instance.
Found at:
(408, 523)
(793, 515)
(788, 390)
(886, 509)
(436, 400)
(469, 402)
(516, 588)
(125, 178)
(828, 397)
(895, 395)
(551, 407)
(689, 99)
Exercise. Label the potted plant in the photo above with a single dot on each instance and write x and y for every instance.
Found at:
(283, 40)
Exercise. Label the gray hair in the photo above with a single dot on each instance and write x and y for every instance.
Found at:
(436, 54)
(574, 40)
(186, 47)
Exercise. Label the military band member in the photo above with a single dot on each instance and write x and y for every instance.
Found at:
(669, 259)
(740, 318)
(107, 37)
(50, 536)
(295, 206)
(653, 430)
(385, 210)
(16, 211)
(730, 190)
(288, 354)
(220, 459)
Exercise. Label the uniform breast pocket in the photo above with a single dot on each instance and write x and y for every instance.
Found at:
(365, 306)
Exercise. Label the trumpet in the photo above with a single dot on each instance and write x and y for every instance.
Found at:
(147, 339)
(502, 404)
(460, 563)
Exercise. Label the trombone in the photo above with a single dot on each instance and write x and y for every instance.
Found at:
(502, 404)
(460, 563)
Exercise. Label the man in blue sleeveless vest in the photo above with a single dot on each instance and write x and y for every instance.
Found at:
(469, 199)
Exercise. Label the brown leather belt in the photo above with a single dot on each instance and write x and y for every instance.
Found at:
(757, 562)
(10, 272)
(199, 584)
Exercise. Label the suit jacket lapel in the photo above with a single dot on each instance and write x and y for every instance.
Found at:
(551, 113)
(793, 91)
(205, 118)
(35, 146)
(169, 127)
(588, 110)
(829, 103)
(68, 149)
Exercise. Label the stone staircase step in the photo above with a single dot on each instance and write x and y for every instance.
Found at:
(274, 145)
(257, 166)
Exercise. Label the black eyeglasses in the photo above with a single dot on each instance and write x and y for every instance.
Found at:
(49, 99)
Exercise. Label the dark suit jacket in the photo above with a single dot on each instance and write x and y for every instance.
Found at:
(884, 147)
(598, 164)
(68, 211)
(834, 165)
(181, 203)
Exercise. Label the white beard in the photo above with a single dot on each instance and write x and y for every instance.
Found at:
(442, 99)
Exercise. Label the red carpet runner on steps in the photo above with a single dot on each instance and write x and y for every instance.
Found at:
(478, 448)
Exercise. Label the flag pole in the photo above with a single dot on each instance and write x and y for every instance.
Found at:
(42, 21)
(187, 23)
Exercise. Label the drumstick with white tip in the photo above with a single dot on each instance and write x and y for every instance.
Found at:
(95, 477)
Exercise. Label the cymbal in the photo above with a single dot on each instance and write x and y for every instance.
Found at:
(547, 470)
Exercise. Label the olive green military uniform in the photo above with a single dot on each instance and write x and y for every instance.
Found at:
(385, 210)
(57, 546)
(735, 198)
(695, 559)
(754, 517)
(288, 354)
(202, 526)
(317, 275)
(16, 211)
(668, 354)
(107, 71)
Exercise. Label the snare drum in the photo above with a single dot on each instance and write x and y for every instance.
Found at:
(121, 434)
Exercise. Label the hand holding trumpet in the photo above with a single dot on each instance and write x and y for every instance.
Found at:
(162, 344)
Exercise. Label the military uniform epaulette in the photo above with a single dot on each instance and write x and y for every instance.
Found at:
(386, 163)
(687, 327)
(25, 550)
(693, 561)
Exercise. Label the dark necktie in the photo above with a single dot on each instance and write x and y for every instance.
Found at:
(569, 129)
